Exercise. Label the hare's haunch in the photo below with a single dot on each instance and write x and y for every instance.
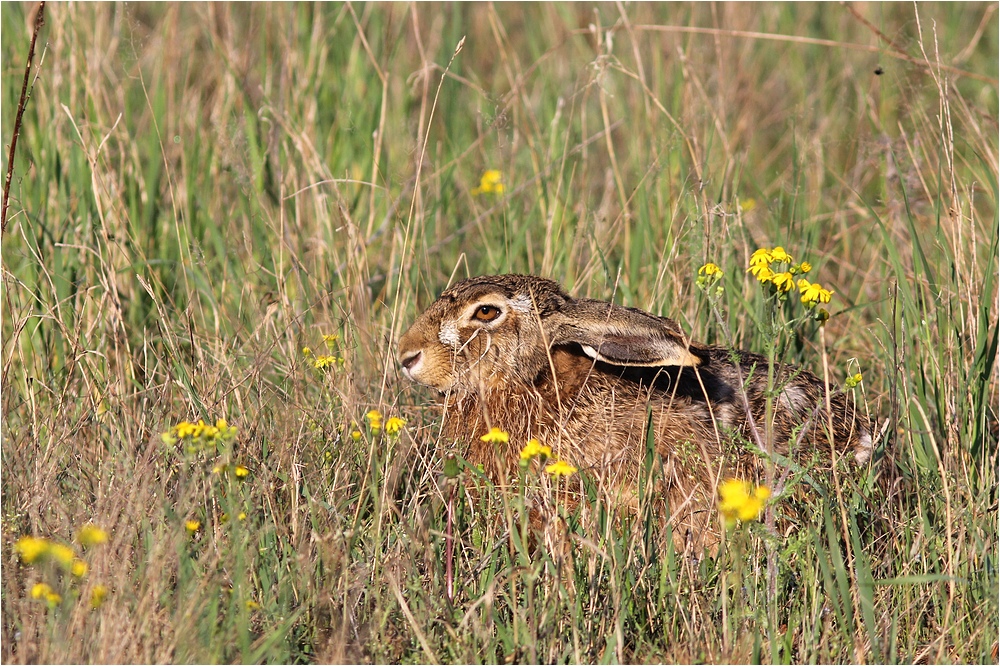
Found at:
(584, 376)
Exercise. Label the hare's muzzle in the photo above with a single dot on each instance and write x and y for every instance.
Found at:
(409, 361)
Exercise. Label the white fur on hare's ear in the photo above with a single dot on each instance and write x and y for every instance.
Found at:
(620, 336)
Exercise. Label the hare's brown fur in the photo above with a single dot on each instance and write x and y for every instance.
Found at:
(584, 376)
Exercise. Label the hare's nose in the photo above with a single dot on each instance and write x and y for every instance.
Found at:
(410, 360)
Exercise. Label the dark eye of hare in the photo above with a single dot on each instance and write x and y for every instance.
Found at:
(487, 313)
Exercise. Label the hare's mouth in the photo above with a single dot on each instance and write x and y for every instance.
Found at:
(411, 363)
(421, 368)
(410, 360)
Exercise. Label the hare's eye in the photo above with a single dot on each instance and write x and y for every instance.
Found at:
(487, 313)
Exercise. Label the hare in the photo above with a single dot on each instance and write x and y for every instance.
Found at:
(589, 378)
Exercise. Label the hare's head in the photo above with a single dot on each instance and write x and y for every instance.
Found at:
(497, 330)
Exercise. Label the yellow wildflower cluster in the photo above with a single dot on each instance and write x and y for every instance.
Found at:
(34, 551)
(535, 448)
(777, 268)
(853, 380)
(392, 425)
(45, 592)
(64, 555)
(560, 468)
(708, 275)
(495, 436)
(490, 183)
(532, 449)
(91, 535)
(199, 436)
(325, 361)
(741, 501)
(239, 471)
(31, 549)
(97, 595)
(710, 270)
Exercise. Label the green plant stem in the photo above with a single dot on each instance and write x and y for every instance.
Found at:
(25, 94)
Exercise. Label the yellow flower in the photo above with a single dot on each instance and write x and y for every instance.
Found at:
(45, 591)
(306, 351)
(79, 568)
(805, 267)
(495, 436)
(330, 340)
(242, 516)
(490, 183)
(741, 501)
(393, 425)
(242, 472)
(760, 257)
(62, 554)
(374, 415)
(708, 275)
(853, 380)
(535, 448)
(813, 293)
(356, 435)
(778, 254)
(39, 590)
(97, 595)
(560, 468)
(761, 272)
(192, 526)
(32, 548)
(91, 535)
(783, 281)
(326, 361)
(200, 435)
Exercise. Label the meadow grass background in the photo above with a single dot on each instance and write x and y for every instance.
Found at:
(201, 191)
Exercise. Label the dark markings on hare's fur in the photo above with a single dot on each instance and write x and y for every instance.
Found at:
(586, 376)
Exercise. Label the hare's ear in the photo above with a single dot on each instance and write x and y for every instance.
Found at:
(620, 335)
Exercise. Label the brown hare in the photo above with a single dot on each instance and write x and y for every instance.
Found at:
(586, 377)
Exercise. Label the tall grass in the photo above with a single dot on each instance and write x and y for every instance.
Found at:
(203, 190)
